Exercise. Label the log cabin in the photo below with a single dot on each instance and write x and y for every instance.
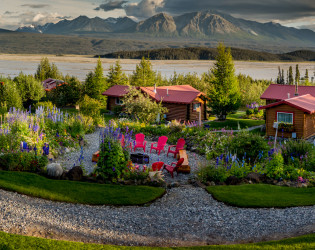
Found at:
(297, 114)
(182, 101)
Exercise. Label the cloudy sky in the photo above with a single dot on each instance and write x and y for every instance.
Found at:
(15, 13)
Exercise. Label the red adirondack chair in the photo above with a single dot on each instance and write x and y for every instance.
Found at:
(157, 166)
(174, 166)
(159, 145)
(140, 142)
(180, 145)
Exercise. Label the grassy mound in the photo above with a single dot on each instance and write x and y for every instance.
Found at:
(77, 192)
(263, 195)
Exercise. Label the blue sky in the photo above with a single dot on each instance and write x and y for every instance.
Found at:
(16, 13)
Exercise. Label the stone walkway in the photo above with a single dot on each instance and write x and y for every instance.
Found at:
(185, 216)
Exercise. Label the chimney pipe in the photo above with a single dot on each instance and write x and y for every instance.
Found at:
(154, 88)
(167, 91)
(288, 95)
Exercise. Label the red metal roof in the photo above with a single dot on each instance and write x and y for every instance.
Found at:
(305, 103)
(280, 91)
(183, 94)
(116, 91)
(50, 83)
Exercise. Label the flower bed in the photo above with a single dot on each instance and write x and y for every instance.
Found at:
(26, 138)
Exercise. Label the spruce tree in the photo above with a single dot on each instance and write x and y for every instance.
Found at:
(144, 75)
(116, 76)
(297, 74)
(47, 70)
(291, 81)
(224, 91)
(95, 83)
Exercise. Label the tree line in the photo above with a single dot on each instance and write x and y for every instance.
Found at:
(200, 53)
(290, 80)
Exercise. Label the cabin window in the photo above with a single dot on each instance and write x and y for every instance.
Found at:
(118, 101)
(196, 106)
(285, 117)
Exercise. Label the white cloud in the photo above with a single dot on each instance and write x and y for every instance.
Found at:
(38, 18)
(144, 9)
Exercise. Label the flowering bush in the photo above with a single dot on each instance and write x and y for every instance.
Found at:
(135, 172)
(113, 157)
(252, 111)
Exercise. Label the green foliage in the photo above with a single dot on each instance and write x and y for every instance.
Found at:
(47, 70)
(66, 94)
(30, 89)
(224, 90)
(263, 196)
(192, 79)
(47, 105)
(275, 167)
(112, 160)
(302, 153)
(22, 161)
(90, 107)
(116, 76)
(290, 78)
(67, 191)
(9, 94)
(297, 74)
(95, 83)
(251, 90)
(212, 173)
(142, 107)
(245, 144)
(144, 75)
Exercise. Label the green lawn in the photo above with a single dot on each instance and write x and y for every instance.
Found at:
(233, 120)
(12, 241)
(77, 192)
(263, 195)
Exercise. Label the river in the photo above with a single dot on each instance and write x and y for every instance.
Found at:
(79, 66)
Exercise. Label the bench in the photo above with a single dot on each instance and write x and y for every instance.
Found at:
(185, 168)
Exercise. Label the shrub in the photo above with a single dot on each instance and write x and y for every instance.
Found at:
(275, 167)
(212, 173)
(22, 161)
(47, 105)
(91, 107)
(300, 149)
(248, 145)
(113, 158)
(249, 112)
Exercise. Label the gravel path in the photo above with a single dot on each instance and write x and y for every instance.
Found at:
(68, 160)
(185, 216)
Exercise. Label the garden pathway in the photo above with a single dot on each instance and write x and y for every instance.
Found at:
(185, 216)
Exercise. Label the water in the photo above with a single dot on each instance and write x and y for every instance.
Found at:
(79, 66)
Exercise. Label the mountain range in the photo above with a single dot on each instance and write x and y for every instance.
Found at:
(203, 25)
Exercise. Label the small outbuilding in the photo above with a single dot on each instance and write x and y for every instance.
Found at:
(50, 84)
(295, 117)
(182, 101)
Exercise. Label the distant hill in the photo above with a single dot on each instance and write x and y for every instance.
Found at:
(208, 25)
(197, 53)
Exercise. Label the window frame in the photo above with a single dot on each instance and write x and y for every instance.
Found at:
(118, 101)
(287, 113)
(195, 109)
